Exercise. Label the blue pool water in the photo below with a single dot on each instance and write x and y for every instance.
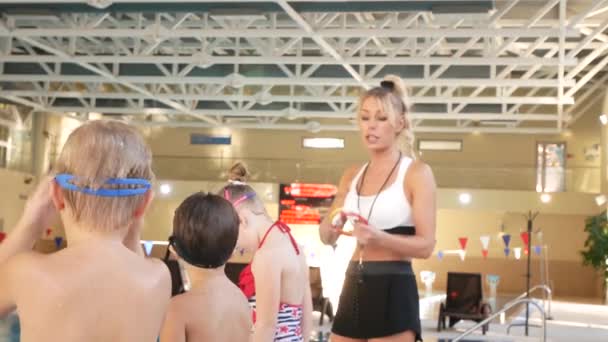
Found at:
(9, 328)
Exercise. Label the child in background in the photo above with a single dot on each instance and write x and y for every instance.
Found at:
(276, 283)
(205, 231)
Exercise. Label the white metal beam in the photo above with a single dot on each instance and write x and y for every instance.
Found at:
(562, 57)
(596, 68)
(580, 17)
(25, 102)
(165, 33)
(302, 114)
(280, 81)
(369, 60)
(351, 127)
(161, 97)
(67, 58)
(522, 44)
(582, 99)
(582, 110)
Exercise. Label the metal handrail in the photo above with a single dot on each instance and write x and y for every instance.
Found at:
(505, 308)
(547, 289)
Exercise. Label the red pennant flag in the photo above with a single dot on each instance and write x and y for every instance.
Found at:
(524, 238)
(48, 231)
(463, 242)
(526, 251)
(484, 252)
(2, 236)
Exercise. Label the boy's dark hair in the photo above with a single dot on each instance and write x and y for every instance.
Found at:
(205, 230)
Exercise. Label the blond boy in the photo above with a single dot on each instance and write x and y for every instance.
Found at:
(99, 288)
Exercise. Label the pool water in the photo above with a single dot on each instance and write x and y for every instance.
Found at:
(9, 328)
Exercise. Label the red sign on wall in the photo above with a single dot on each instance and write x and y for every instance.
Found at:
(302, 203)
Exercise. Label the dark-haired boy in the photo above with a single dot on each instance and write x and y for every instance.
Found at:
(205, 231)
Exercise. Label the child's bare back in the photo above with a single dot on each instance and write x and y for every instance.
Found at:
(217, 311)
(99, 288)
(89, 293)
(205, 231)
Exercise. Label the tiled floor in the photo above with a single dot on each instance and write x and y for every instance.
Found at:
(572, 321)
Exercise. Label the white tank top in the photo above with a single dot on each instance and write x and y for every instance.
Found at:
(392, 209)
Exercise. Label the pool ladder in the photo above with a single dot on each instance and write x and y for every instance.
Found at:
(508, 306)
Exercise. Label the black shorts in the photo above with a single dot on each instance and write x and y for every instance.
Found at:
(378, 301)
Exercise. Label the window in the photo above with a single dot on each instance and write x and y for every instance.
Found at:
(4, 135)
(550, 167)
(323, 142)
(2, 157)
(440, 145)
(204, 139)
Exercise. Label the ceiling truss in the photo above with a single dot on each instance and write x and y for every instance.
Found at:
(523, 67)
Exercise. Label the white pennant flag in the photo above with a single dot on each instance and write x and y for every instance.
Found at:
(148, 247)
(485, 241)
(517, 252)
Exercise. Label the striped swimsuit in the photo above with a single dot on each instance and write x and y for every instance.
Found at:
(289, 319)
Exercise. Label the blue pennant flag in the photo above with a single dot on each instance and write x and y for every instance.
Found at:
(537, 249)
(440, 255)
(58, 241)
(507, 251)
(507, 239)
(148, 247)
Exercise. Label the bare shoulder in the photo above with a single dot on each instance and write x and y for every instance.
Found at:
(419, 173)
(267, 261)
(264, 256)
(24, 273)
(159, 272)
(349, 174)
(302, 256)
(30, 263)
(177, 306)
(238, 298)
(158, 266)
(240, 308)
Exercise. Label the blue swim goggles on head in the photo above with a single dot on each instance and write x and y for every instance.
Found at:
(142, 186)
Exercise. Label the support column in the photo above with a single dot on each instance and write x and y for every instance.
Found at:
(40, 145)
(604, 150)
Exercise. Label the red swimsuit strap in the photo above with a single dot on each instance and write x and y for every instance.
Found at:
(284, 229)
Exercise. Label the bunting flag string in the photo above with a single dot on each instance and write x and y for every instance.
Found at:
(506, 239)
(58, 241)
(524, 238)
(463, 242)
(485, 243)
(148, 247)
(485, 240)
(517, 252)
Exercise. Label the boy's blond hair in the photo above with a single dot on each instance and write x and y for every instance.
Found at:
(95, 152)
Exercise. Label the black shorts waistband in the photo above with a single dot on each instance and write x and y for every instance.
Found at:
(380, 267)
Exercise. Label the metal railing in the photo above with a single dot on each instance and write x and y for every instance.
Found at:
(547, 302)
(508, 306)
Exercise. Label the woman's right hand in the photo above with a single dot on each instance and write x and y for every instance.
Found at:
(338, 220)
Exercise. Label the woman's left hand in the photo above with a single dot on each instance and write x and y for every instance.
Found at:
(365, 233)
